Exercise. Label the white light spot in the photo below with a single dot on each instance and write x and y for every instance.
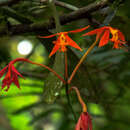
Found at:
(48, 127)
(56, 94)
(24, 47)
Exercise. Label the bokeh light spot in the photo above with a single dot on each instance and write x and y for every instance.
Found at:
(24, 47)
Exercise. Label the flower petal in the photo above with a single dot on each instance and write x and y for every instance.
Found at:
(63, 48)
(92, 32)
(15, 80)
(15, 71)
(48, 36)
(96, 31)
(3, 71)
(72, 43)
(79, 30)
(90, 122)
(116, 44)
(55, 48)
(6, 82)
(84, 118)
(105, 38)
(121, 36)
(78, 125)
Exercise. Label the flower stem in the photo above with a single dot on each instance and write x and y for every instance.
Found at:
(44, 66)
(84, 107)
(66, 86)
(81, 60)
(66, 66)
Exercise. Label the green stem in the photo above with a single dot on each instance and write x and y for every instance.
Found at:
(66, 66)
(66, 87)
(69, 103)
(58, 29)
(56, 16)
(81, 60)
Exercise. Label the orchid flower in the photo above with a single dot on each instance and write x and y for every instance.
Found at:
(64, 40)
(104, 34)
(12, 74)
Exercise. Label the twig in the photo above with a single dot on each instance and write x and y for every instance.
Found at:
(9, 2)
(62, 4)
(14, 14)
(83, 12)
(75, 15)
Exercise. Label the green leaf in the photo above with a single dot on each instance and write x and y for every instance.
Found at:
(53, 84)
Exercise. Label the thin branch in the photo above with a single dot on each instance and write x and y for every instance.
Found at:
(9, 2)
(14, 14)
(74, 8)
(83, 12)
(75, 15)
(62, 4)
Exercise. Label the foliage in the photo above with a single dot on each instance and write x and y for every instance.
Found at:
(103, 78)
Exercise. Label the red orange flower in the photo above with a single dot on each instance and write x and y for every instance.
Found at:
(12, 74)
(104, 34)
(64, 40)
(10, 77)
(84, 122)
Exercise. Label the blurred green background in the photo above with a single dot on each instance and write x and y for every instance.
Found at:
(103, 79)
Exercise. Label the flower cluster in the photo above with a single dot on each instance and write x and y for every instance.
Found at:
(103, 35)
(10, 77)
(63, 40)
(12, 74)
